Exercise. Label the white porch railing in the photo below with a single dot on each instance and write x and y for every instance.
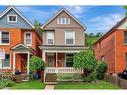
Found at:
(62, 70)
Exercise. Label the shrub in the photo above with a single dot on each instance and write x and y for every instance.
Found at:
(7, 83)
(101, 70)
(123, 74)
(85, 60)
(36, 63)
(89, 78)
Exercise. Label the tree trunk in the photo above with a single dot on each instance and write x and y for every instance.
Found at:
(42, 75)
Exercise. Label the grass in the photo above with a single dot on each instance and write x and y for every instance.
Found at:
(98, 85)
(36, 84)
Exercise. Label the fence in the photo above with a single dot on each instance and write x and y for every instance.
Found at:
(116, 81)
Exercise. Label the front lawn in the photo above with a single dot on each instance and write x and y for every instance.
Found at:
(36, 84)
(98, 85)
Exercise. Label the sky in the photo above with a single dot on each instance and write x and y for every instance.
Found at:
(95, 18)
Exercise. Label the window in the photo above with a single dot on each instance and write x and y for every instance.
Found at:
(63, 21)
(125, 37)
(70, 38)
(4, 37)
(12, 18)
(126, 60)
(6, 62)
(69, 60)
(50, 38)
(28, 38)
(102, 58)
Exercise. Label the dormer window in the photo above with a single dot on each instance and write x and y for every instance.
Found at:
(12, 18)
(63, 20)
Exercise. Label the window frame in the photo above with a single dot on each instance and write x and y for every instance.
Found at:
(73, 38)
(9, 62)
(1, 38)
(11, 15)
(59, 20)
(47, 38)
(25, 39)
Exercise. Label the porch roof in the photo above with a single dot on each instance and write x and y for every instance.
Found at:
(63, 47)
(22, 48)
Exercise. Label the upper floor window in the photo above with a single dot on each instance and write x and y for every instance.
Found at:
(125, 37)
(12, 18)
(28, 38)
(69, 37)
(50, 38)
(4, 37)
(63, 20)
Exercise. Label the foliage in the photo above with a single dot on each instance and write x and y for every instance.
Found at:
(89, 78)
(85, 60)
(123, 74)
(7, 83)
(36, 64)
(101, 70)
(38, 27)
(125, 7)
(69, 77)
(91, 38)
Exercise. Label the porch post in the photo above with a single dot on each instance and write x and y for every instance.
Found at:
(43, 56)
(14, 63)
(28, 58)
(56, 59)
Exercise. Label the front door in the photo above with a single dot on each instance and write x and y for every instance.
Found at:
(50, 61)
(23, 63)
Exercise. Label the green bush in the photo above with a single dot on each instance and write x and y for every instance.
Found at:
(89, 78)
(85, 60)
(7, 83)
(101, 70)
(36, 63)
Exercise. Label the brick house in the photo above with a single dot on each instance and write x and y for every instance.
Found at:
(19, 39)
(112, 47)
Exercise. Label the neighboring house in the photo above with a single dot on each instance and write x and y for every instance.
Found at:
(112, 47)
(19, 39)
(63, 36)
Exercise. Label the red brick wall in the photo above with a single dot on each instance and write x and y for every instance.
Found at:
(121, 50)
(106, 48)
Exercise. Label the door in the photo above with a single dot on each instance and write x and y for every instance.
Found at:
(50, 61)
(23, 63)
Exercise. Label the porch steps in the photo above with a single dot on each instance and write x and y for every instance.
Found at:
(51, 77)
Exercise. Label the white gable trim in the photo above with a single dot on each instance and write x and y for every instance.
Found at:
(68, 14)
(19, 13)
(19, 45)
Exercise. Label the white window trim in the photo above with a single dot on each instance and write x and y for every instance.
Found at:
(25, 39)
(1, 38)
(11, 15)
(47, 38)
(10, 63)
(59, 20)
(65, 38)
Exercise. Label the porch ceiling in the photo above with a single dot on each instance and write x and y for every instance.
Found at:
(63, 47)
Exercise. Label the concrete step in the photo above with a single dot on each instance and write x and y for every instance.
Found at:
(51, 78)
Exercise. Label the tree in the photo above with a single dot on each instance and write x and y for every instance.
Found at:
(125, 7)
(36, 63)
(85, 60)
(38, 27)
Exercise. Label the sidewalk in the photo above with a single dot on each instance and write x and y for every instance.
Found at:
(49, 87)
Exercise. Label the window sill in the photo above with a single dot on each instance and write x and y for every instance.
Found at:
(6, 68)
(125, 44)
(28, 45)
(5, 44)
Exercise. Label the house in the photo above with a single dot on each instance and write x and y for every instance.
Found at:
(19, 40)
(112, 47)
(63, 36)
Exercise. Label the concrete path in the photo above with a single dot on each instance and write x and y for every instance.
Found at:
(49, 87)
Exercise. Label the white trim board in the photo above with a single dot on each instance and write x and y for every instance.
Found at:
(63, 9)
(19, 13)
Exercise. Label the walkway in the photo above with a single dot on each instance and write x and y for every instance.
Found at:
(49, 87)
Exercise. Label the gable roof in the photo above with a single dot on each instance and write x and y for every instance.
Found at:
(111, 30)
(18, 12)
(60, 11)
